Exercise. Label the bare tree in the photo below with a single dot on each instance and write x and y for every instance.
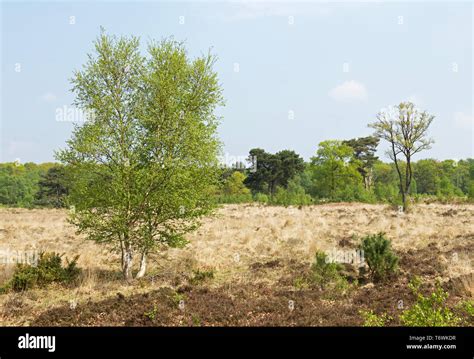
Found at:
(405, 128)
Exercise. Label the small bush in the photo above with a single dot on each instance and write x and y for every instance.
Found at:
(429, 311)
(301, 283)
(378, 253)
(152, 313)
(48, 270)
(468, 307)
(261, 198)
(387, 193)
(24, 277)
(200, 276)
(465, 310)
(324, 272)
(234, 198)
(196, 320)
(233, 190)
(373, 320)
(294, 195)
(176, 299)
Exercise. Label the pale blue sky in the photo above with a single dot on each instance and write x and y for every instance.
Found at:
(291, 90)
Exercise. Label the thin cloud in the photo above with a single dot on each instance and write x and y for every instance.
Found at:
(349, 91)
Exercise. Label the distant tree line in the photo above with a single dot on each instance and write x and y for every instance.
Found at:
(344, 171)
(340, 171)
(31, 184)
(349, 170)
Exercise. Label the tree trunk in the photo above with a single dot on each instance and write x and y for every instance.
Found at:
(369, 182)
(365, 178)
(121, 251)
(142, 270)
(272, 189)
(400, 177)
(404, 200)
(408, 177)
(127, 262)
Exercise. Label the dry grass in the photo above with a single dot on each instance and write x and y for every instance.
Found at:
(232, 243)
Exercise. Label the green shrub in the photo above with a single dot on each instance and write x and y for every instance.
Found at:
(176, 299)
(152, 313)
(465, 310)
(388, 193)
(366, 196)
(468, 307)
(324, 272)
(429, 311)
(24, 277)
(48, 270)
(378, 253)
(234, 198)
(301, 283)
(373, 320)
(196, 320)
(470, 193)
(200, 276)
(294, 195)
(261, 198)
(233, 190)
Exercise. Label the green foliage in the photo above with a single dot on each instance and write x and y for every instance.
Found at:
(144, 168)
(373, 320)
(272, 170)
(233, 189)
(196, 320)
(429, 311)
(301, 283)
(427, 174)
(234, 184)
(364, 152)
(49, 269)
(335, 172)
(471, 190)
(294, 195)
(385, 179)
(152, 313)
(28, 185)
(325, 274)
(380, 258)
(467, 308)
(176, 298)
(200, 276)
(19, 183)
(53, 188)
(261, 198)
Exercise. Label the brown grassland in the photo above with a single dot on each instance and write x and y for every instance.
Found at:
(259, 256)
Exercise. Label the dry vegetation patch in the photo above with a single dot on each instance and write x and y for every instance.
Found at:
(255, 254)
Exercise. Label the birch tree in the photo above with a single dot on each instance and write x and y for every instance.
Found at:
(144, 166)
